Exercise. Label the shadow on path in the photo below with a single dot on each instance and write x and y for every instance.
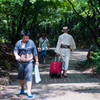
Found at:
(77, 86)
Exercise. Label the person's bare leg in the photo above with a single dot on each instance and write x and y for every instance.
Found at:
(22, 86)
(29, 86)
(65, 73)
(44, 59)
(22, 83)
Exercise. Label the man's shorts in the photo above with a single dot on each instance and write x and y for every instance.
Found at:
(25, 70)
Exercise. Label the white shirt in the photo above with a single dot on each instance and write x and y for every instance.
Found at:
(65, 39)
(44, 44)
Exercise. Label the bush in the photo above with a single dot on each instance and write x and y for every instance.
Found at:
(97, 69)
(96, 61)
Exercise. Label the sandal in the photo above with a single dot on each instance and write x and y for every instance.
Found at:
(65, 75)
(30, 95)
(22, 91)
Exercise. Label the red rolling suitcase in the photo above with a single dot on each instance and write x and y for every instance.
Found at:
(55, 68)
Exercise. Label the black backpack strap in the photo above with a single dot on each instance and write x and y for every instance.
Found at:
(43, 42)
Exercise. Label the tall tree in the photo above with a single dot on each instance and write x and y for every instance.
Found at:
(89, 13)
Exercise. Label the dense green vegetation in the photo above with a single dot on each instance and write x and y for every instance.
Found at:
(81, 16)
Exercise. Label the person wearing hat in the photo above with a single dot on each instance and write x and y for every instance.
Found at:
(65, 45)
(24, 52)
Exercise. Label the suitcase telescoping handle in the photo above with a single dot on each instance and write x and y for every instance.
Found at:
(56, 58)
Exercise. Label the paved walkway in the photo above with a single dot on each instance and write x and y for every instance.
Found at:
(78, 85)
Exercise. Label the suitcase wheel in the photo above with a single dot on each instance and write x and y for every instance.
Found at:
(51, 75)
(58, 75)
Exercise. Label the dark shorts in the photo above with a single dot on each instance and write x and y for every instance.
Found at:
(25, 70)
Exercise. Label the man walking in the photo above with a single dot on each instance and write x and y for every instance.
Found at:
(25, 52)
(65, 45)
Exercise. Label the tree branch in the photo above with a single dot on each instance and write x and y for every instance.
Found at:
(80, 16)
(94, 6)
(91, 30)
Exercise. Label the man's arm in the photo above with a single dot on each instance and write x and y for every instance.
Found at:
(39, 44)
(48, 45)
(36, 60)
(73, 46)
(17, 57)
(39, 49)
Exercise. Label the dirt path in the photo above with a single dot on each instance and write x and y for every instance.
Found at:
(78, 85)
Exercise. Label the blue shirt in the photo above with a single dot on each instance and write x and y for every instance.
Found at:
(29, 48)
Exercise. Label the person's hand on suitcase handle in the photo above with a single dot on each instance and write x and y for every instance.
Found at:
(58, 54)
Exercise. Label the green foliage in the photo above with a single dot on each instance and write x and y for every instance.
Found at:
(98, 40)
(88, 12)
(96, 60)
(97, 69)
(27, 14)
(47, 15)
